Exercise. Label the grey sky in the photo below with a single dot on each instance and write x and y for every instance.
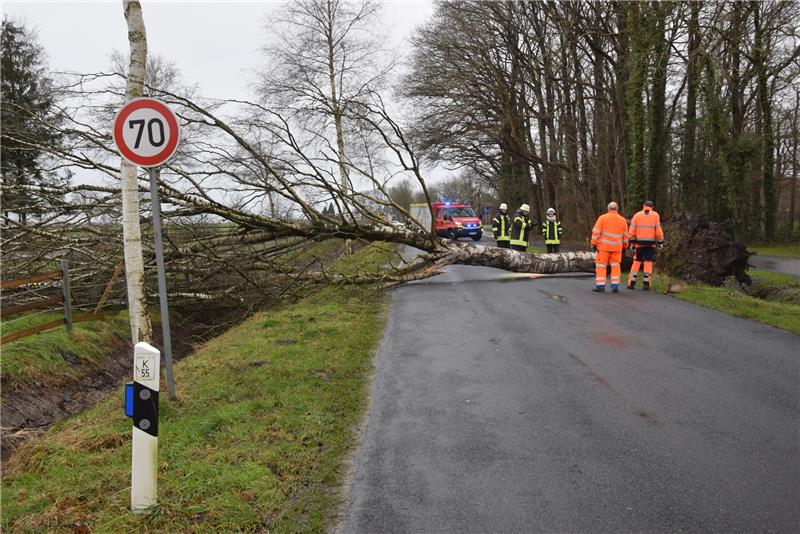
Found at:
(214, 44)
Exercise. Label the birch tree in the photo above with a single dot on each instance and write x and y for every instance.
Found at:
(141, 327)
(325, 56)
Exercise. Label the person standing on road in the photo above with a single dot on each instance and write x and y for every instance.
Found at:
(521, 229)
(501, 227)
(551, 230)
(644, 234)
(609, 237)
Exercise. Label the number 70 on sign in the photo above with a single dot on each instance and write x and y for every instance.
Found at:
(146, 132)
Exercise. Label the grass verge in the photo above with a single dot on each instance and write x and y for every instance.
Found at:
(786, 251)
(54, 355)
(256, 442)
(729, 300)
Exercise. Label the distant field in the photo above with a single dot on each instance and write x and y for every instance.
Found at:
(786, 251)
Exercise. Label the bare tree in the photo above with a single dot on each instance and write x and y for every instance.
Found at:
(325, 56)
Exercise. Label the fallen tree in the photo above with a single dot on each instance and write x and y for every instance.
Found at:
(270, 185)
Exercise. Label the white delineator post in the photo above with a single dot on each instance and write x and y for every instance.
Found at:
(144, 462)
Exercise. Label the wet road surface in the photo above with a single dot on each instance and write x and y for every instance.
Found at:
(509, 403)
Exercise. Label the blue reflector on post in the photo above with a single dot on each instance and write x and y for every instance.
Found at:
(129, 400)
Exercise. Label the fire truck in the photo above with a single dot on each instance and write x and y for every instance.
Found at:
(452, 220)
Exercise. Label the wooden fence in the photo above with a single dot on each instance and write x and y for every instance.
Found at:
(66, 296)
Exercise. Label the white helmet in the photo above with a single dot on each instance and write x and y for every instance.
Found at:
(524, 207)
(550, 210)
(503, 206)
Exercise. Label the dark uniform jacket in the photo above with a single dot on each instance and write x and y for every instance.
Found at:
(551, 230)
(501, 227)
(520, 229)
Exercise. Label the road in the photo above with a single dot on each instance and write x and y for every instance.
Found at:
(504, 403)
(776, 264)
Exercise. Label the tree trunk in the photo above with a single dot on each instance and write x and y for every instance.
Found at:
(456, 252)
(657, 132)
(793, 189)
(637, 186)
(344, 175)
(141, 328)
(689, 180)
(767, 135)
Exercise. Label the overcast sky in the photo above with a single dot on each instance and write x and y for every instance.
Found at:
(214, 44)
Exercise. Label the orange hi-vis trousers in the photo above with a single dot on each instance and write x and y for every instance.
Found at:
(642, 255)
(648, 271)
(604, 259)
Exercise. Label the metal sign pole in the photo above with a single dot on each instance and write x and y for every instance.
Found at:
(162, 280)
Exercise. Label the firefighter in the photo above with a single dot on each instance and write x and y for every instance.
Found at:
(551, 230)
(501, 227)
(521, 228)
(609, 237)
(644, 234)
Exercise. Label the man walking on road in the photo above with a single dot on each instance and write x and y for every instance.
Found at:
(521, 228)
(609, 237)
(551, 230)
(501, 227)
(645, 232)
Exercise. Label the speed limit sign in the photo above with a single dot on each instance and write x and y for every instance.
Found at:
(146, 132)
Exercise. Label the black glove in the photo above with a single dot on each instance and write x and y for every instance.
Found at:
(594, 248)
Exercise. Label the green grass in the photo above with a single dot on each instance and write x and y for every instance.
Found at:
(256, 442)
(370, 259)
(787, 251)
(777, 314)
(45, 357)
(777, 279)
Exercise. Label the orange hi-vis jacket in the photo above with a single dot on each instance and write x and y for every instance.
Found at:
(645, 229)
(610, 232)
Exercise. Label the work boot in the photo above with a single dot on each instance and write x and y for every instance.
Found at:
(646, 286)
(614, 288)
(599, 289)
(632, 285)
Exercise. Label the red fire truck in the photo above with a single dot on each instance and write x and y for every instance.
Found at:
(452, 219)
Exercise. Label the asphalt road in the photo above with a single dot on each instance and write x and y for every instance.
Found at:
(503, 403)
(776, 264)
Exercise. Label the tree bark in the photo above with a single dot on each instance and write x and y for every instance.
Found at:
(689, 186)
(793, 189)
(767, 135)
(335, 108)
(141, 328)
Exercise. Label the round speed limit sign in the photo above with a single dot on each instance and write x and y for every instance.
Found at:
(146, 132)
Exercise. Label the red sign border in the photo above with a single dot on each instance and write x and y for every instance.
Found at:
(172, 121)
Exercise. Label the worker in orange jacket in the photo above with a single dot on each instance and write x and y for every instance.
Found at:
(644, 234)
(609, 238)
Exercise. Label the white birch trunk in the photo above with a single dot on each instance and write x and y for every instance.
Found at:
(337, 113)
(141, 328)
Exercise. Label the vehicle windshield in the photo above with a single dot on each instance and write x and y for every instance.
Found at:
(459, 212)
